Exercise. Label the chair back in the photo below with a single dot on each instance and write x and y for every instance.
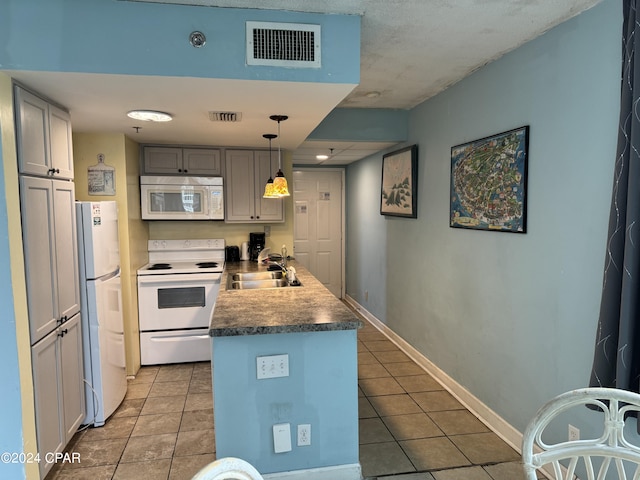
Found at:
(228, 468)
(612, 455)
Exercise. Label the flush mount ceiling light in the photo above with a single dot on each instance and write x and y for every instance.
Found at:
(323, 156)
(280, 182)
(149, 116)
(372, 94)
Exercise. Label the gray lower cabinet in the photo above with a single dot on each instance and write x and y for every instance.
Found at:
(58, 388)
(246, 173)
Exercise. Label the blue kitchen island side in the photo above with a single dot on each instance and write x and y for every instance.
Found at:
(315, 334)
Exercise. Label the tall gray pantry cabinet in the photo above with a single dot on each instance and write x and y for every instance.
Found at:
(47, 197)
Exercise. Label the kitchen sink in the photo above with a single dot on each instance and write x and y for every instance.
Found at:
(258, 280)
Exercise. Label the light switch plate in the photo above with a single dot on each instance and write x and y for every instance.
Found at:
(272, 366)
(282, 437)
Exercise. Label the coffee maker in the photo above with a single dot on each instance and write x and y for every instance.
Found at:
(256, 245)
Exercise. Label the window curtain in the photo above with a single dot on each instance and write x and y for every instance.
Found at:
(616, 360)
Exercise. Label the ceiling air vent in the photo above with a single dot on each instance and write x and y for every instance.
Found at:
(283, 44)
(225, 116)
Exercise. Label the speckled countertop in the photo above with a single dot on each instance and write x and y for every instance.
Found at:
(307, 308)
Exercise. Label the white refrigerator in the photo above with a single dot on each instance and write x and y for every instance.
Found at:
(101, 304)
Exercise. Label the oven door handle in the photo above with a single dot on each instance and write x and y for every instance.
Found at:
(185, 336)
(180, 278)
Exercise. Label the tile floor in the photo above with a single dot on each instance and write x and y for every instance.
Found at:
(410, 427)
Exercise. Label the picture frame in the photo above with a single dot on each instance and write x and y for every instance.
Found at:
(399, 186)
(489, 182)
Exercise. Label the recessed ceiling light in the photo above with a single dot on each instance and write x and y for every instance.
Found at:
(322, 157)
(372, 94)
(149, 115)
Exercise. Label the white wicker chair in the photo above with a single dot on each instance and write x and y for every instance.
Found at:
(229, 468)
(601, 458)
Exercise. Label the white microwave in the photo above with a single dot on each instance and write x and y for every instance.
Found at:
(181, 198)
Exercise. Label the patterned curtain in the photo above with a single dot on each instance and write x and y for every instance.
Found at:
(616, 360)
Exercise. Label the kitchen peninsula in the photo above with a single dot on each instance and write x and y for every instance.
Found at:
(313, 406)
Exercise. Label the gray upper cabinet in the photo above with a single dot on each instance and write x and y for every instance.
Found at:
(182, 161)
(246, 173)
(44, 137)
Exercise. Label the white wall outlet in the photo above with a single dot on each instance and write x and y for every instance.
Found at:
(272, 366)
(282, 438)
(574, 433)
(267, 230)
(304, 435)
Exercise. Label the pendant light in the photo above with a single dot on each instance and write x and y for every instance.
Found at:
(269, 190)
(280, 182)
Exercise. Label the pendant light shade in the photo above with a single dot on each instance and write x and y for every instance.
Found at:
(280, 182)
(269, 188)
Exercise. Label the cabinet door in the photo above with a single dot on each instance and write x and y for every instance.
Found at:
(201, 161)
(45, 358)
(66, 252)
(32, 133)
(38, 238)
(239, 186)
(61, 144)
(72, 373)
(267, 209)
(162, 160)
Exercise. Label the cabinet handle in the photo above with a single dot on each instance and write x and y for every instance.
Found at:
(63, 332)
(53, 171)
(185, 171)
(61, 320)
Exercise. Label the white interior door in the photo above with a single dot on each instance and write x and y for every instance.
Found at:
(318, 200)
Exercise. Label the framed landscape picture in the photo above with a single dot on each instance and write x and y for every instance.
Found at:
(489, 183)
(399, 183)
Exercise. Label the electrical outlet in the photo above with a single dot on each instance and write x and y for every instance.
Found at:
(267, 230)
(304, 435)
(574, 433)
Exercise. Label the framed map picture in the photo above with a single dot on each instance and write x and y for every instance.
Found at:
(399, 183)
(489, 183)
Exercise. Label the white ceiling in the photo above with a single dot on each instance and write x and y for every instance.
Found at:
(410, 51)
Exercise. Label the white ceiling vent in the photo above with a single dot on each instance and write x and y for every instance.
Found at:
(283, 44)
(225, 116)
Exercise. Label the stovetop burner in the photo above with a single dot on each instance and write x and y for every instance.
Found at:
(207, 264)
(160, 266)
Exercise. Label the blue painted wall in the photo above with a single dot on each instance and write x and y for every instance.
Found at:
(321, 390)
(510, 317)
(10, 400)
(109, 36)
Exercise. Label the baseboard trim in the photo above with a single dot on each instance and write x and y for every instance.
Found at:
(337, 472)
(487, 416)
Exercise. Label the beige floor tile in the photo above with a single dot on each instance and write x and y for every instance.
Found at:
(201, 385)
(150, 470)
(199, 401)
(183, 468)
(100, 452)
(383, 459)
(168, 389)
(175, 373)
(371, 335)
(380, 386)
(365, 409)
(373, 430)
(119, 427)
(380, 346)
(436, 401)
(392, 356)
(362, 347)
(403, 369)
(144, 375)
(412, 426)
(433, 453)
(137, 390)
(197, 420)
(130, 407)
(506, 471)
(163, 405)
(366, 357)
(482, 448)
(468, 473)
(372, 370)
(150, 447)
(157, 424)
(401, 404)
(409, 476)
(102, 472)
(457, 422)
(419, 383)
(195, 442)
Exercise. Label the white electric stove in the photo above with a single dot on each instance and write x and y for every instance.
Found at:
(177, 291)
